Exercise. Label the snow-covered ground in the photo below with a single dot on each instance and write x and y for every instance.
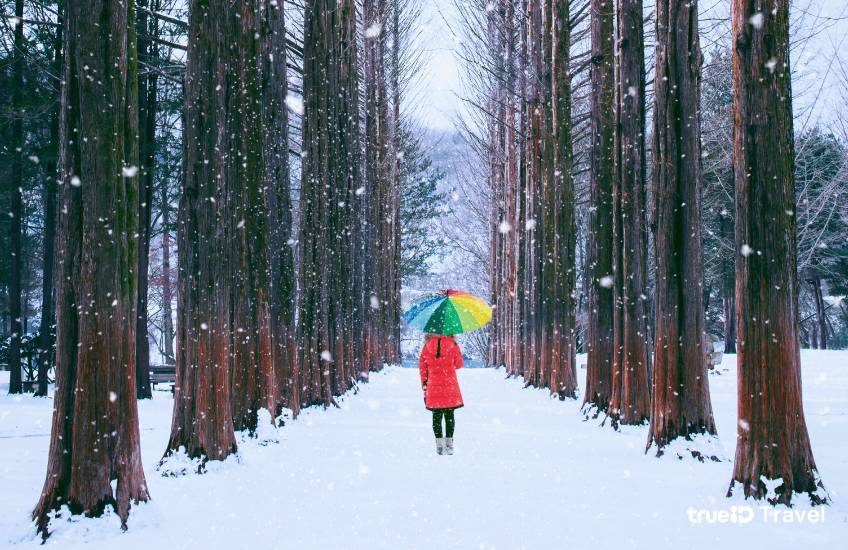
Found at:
(528, 473)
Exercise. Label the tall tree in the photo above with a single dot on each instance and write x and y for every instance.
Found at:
(563, 377)
(202, 422)
(329, 358)
(630, 403)
(95, 433)
(378, 174)
(17, 210)
(253, 380)
(167, 312)
(147, 87)
(680, 405)
(773, 459)
(600, 244)
(275, 131)
(49, 193)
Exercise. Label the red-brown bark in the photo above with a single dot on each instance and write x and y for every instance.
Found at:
(680, 404)
(329, 355)
(772, 443)
(95, 432)
(630, 403)
(202, 424)
(600, 246)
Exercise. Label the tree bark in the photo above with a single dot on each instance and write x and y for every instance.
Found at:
(600, 237)
(95, 432)
(278, 205)
(773, 447)
(378, 185)
(328, 357)
(48, 314)
(563, 353)
(680, 405)
(167, 312)
(202, 420)
(17, 209)
(147, 145)
(253, 380)
(727, 287)
(630, 402)
(821, 320)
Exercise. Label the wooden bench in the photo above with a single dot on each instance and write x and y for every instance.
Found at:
(163, 374)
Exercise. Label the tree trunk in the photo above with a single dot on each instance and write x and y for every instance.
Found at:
(147, 143)
(278, 205)
(563, 354)
(727, 286)
(328, 358)
(393, 307)
(254, 383)
(202, 420)
(378, 184)
(48, 314)
(681, 405)
(630, 402)
(17, 209)
(821, 320)
(773, 456)
(600, 244)
(95, 432)
(167, 312)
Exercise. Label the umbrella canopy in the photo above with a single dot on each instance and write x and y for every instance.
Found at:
(448, 312)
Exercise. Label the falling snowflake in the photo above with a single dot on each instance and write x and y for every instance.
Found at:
(756, 20)
(204, 326)
(530, 224)
(375, 303)
(129, 171)
(373, 31)
(75, 181)
(113, 396)
(295, 104)
(504, 227)
(606, 281)
(771, 64)
(746, 250)
(326, 355)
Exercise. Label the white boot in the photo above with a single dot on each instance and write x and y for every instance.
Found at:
(449, 445)
(440, 445)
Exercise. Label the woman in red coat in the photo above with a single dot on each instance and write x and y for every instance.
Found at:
(440, 358)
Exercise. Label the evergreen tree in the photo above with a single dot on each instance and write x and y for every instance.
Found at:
(421, 204)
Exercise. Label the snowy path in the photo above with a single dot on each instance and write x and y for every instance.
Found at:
(528, 473)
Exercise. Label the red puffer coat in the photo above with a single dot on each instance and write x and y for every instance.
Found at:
(440, 358)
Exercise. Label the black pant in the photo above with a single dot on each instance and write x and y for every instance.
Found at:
(450, 422)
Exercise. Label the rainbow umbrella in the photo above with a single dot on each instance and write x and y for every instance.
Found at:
(448, 312)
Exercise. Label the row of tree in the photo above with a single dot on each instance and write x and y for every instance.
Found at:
(285, 300)
(648, 349)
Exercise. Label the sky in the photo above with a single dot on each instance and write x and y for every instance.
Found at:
(438, 103)
(819, 89)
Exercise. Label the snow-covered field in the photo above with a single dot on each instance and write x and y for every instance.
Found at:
(528, 473)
